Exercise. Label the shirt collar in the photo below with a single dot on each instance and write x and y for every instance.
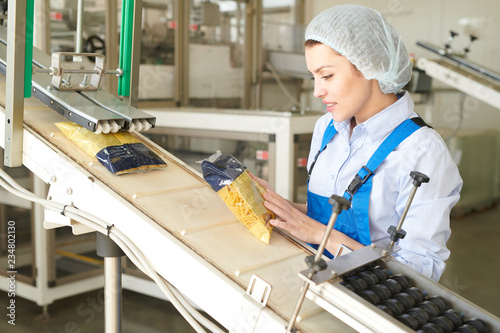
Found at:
(384, 122)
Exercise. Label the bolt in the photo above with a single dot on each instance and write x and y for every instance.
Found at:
(384, 252)
(68, 81)
(69, 191)
(53, 179)
(84, 82)
(373, 246)
(49, 88)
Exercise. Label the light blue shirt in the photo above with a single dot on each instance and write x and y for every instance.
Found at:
(427, 223)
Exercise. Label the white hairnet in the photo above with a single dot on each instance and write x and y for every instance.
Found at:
(367, 40)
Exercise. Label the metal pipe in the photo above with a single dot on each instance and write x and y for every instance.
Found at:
(181, 53)
(112, 294)
(405, 211)
(79, 30)
(317, 258)
(112, 43)
(81, 71)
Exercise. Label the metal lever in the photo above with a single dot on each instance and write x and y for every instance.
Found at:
(396, 231)
(315, 263)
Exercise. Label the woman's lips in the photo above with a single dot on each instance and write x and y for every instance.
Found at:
(330, 106)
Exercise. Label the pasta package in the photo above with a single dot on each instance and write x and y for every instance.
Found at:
(242, 195)
(119, 152)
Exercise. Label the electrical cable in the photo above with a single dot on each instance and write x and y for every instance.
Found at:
(190, 314)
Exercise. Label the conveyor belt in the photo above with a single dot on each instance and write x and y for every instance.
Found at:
(152, 207)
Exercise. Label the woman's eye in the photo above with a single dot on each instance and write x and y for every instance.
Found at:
(326, 77)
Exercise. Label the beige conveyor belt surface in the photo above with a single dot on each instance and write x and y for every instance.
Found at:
(179, 201)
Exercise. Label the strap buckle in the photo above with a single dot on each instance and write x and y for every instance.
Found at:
(357, 181)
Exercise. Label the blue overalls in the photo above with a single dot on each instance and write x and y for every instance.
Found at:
(354, 222)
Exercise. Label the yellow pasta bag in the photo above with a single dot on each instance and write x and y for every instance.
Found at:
(242, 195)
(119, 152)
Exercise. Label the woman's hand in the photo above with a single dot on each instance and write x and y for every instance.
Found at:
(260, 181)
(292, 219)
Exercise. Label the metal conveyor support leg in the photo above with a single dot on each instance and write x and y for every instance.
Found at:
(112, 282)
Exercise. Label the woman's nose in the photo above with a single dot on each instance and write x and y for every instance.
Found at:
(319, 90)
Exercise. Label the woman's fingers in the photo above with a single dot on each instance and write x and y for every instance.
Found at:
(260, 181)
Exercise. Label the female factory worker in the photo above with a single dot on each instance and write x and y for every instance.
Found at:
(359, 65)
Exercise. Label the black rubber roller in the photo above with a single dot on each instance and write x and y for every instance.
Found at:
(347, 285)
(440, 302)
(396, 307)
(430, 328)
(393, 286)
(478, 324)
(431, 308)
(417, 294)
(466, 329)
(403, 280)
(420, 315)
(382, 291)
(386, 309)
(370, 296)
(357, 283)
(405, 299)
(370, 278)
(408, 320)
(456, 317)
(445, 324)
(382, 273)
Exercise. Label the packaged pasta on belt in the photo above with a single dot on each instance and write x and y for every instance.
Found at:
(242, 195)
(119, 152)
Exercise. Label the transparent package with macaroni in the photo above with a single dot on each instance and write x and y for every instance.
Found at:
(242, 195)
(119, 152)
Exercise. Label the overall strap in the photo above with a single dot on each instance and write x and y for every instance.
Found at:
(327, 136)
(398, 135)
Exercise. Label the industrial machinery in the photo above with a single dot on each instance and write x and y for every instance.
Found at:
(174, 220)
(178, 232)
(460, 73)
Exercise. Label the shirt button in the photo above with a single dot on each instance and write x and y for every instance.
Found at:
(332, 177)
(426, 263)
(347, 150)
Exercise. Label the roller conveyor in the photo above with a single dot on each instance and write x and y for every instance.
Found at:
(352, 293)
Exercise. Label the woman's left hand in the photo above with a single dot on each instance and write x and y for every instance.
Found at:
(293, 220)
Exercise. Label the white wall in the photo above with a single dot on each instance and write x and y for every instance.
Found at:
(431, 21)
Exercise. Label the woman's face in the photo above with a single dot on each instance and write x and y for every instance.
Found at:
(341, 87)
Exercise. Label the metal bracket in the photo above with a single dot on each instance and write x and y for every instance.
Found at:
(348, 262)
(95, 74)
(259, 290)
